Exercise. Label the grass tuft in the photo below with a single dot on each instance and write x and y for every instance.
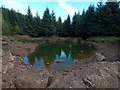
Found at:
(104, 39)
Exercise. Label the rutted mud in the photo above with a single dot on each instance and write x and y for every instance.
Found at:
(85, 74)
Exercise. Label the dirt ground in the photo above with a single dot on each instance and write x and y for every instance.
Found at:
(89, 73)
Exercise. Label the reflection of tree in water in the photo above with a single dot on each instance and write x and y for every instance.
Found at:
(39, 63)
(26, 60)
(61, 51)
(66, 59)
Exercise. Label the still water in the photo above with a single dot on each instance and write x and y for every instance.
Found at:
(58, 55)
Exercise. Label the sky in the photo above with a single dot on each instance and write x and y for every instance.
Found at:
(60, 7)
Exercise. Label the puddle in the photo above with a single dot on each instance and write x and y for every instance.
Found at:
(58, 55)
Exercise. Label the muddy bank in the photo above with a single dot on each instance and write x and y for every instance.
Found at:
(89, 73)
(25, 38)
(18, 49)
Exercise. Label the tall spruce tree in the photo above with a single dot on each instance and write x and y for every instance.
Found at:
(29, 22)
(76, 25)
(59, 27)
(89, 22)
(53, 23)
(46, 23)
(66, 27)
(37, 26)
(113, 18)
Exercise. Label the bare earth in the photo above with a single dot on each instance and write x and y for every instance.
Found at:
(89, 73)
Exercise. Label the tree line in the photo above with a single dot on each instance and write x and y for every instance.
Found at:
(103, 20)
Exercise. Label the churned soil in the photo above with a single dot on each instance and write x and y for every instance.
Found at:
(89, 73)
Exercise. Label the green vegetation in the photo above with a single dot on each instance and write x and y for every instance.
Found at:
(29, 40)
(103, 20)
(23, 40)
(104, 39)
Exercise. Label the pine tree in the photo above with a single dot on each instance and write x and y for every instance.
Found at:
(66, 27)
(53, 23)
(102, 20)
(5, 28)
(89, 22)
(76, 25)
(29, 22)
(113, 18)
(108, 18)
(46, 23)
(59, 26)
(37, 26)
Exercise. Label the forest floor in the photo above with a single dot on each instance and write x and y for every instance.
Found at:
(89, 73)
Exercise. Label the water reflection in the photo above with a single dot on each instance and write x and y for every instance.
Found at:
(26, 60)
(39, 63)
(63, 56)
(62, 59)
(56, 55)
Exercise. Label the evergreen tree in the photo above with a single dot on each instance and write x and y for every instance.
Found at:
(66, 27)
(101, 20)
(23, 24)
(113, 18)
(59, 27)
(76, 25)
(29, 22)
(89, 22)
(5, 28)
(46, 23)
(108, 18)
(37, 26)
(53, 23)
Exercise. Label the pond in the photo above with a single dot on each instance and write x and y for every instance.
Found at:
(58, 55)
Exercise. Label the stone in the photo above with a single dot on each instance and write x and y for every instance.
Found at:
(11, 57)
(66, 70)
(73, 68)
(18, 60)
(88, 83)
(12, 86)
(50, 80)
(58, 61)
(100, 57)
(76, 61)
(65, 73)
(48, 63)
(5, 43)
